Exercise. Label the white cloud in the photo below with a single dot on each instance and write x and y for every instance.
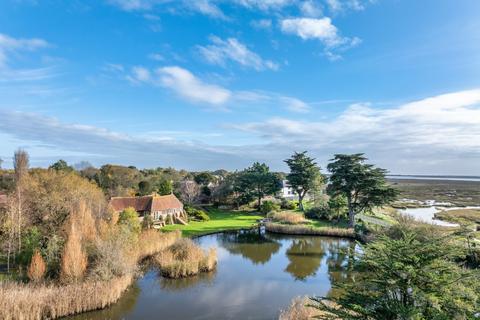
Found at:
(9, 45)
(310, 9)
(186, 85)
(206, 7)
(309, 28)
(336, 6)
(232, 49)
(320, 29)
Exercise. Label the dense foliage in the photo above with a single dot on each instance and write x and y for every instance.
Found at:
(304, 175)
(407, 275)
(363, 185)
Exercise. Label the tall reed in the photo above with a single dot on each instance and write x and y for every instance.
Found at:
(309, 230)
(185, 258)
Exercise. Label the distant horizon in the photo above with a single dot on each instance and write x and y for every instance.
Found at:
(323, 169)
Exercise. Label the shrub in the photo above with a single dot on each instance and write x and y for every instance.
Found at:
(197, 214)
(288, 217)
(129, 218)
(36, 269)
(321, 212)
(269, 206)
(185, 258)
(289, 205)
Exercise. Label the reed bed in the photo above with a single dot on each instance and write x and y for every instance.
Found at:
(184, 259)
(309, 230)
(47, 301)
(106, 283)
(288, 217)
(153, 241)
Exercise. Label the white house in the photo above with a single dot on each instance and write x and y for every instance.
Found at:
(287, 192)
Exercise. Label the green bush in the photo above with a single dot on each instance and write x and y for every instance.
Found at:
(269, 206)
(197, 214)
(322, 212)
(129, 218)
(289, 205)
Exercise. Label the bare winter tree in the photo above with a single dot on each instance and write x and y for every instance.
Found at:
(189, 191)
(1, 161)
(20, 164)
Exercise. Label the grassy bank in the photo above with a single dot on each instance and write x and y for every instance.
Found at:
(460, 216)
(219, 221)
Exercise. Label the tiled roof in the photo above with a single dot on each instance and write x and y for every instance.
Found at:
(138, 203)
(161, 203)
(146, 203)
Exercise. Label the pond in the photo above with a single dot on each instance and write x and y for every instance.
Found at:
(257, 275)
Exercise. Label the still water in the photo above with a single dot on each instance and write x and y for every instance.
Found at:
(257, 275)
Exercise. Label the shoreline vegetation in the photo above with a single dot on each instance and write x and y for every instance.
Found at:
(51, 301)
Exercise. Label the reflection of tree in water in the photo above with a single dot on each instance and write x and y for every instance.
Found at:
(180, 284)
(340, 264)
(118, 310)
(250, 244)
(305, 255)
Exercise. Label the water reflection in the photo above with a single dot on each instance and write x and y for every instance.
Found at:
(305, 256)
(250, 244)
(173, 285)
(257, 275)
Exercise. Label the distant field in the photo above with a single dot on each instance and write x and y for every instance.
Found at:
(462, 193)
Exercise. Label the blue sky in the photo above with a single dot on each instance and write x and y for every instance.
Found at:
(212, 84)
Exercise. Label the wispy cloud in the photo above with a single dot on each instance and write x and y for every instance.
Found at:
(9, 45)
(157, 149)
(265, 4)
(220, 51)
(194, 89)
(336, 6)
(206, 7)
(262, 24)
(311, 9)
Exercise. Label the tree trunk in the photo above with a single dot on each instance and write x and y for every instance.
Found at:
(351, 213)
(300, 201)
(259, 201)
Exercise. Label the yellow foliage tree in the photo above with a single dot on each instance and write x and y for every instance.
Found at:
(74, 259)
(37, 267)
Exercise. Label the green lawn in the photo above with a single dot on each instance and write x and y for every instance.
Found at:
(219, 221)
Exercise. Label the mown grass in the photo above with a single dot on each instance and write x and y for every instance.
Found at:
(219, 221)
